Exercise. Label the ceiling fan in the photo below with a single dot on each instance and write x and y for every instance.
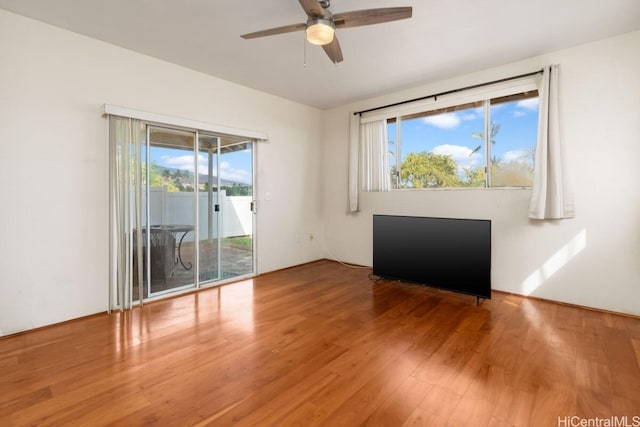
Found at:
(321, 24)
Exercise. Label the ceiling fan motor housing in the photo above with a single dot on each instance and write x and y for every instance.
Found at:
(320, 31)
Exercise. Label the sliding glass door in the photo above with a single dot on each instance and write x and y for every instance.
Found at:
(183, 212)
(237, 207)
(213, 190)
(171, 202)
(226, 217)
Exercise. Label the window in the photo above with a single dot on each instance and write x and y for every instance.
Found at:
(485, 143)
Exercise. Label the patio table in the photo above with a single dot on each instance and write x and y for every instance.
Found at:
(175, 229)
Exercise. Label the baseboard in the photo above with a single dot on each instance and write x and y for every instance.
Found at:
(44, 327)
(568, 304)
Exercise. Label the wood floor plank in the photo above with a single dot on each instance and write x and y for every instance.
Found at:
(438, 406)
(520, 411)
(592, 395)
(398, 407)
(420, 418)
(357, 408)
(322, 344)
(636, 347)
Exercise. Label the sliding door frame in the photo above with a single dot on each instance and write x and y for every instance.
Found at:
(148, 120)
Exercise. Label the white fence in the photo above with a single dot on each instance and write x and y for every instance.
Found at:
(172, 207)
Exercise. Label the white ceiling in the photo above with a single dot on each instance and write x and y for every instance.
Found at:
(444, 38)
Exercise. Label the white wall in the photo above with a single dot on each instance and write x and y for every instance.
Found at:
(53, 83)
(592, 260)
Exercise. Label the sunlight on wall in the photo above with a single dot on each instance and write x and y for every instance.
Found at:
(555, 263)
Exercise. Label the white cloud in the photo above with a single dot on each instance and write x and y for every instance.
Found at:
(529, 104)
(519, 156)
(460, 154)
(468, 116)
(185, 162)
(443, 121)
(455, 151)
(230, 173)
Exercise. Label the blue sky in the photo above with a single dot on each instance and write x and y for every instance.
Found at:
(234, 166)
(450, 133)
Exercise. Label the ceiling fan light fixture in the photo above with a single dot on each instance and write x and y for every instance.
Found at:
(320, 31)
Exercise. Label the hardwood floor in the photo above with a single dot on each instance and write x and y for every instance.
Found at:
(321, 344)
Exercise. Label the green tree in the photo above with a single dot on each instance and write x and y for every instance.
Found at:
(495, 162)
(155, 176)
(237, 189)
(473, 177)
(429, 170)
(177, 178)
(513, 173)
(493, 131)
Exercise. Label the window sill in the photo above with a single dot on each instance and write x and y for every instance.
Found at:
(462, 189)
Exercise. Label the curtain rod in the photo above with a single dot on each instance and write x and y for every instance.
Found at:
(436, 95)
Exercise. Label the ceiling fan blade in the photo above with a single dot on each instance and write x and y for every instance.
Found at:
(313, 8)
(333, 50)
(358, 18)
(273, 31)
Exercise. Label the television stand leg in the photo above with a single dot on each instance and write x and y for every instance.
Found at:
(477, 301)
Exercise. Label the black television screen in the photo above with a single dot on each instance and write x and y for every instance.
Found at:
(447, 253)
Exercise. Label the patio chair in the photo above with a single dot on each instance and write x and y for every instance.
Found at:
(163, 254)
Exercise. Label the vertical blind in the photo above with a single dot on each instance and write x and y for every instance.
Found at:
(126, 140)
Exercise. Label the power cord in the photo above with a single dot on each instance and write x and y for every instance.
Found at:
(357, 267)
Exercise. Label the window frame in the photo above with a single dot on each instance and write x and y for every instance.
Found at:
(514, 89)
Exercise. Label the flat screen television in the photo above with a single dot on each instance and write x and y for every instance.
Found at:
(447, 253)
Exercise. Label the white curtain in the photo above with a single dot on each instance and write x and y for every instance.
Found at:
(368, 159)
(354, 142)
(374, 155)
(126, 141)
(551, 196)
